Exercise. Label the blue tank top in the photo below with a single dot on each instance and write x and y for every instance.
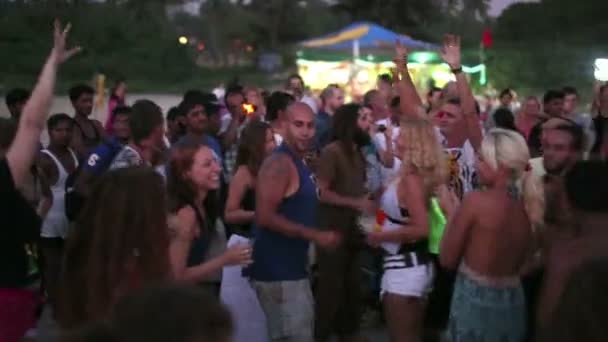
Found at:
(277, 257)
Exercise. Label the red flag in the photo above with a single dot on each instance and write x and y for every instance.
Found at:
(486, 39)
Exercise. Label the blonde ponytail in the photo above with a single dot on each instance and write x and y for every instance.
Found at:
(533, 194)
(509, 149)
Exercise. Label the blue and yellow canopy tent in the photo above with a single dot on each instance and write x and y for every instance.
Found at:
(365, 43)
(364, 37)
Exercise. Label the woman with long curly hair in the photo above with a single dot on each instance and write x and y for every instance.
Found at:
(193, 178)
(257, 141)
(119, 244)
(408, 271)
(489, 238)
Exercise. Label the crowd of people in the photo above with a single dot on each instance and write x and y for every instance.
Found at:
(279, 217)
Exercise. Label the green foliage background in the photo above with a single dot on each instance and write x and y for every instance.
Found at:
(549, 44)
(537, 45)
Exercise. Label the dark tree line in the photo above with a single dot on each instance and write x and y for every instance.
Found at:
(536, 44)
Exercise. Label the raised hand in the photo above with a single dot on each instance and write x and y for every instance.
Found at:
(401, 53)
(388, 133)
(59, 43)
(450, 52)
(400, 49)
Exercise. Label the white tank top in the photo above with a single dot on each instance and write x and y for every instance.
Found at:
(396, 217)
(55, 223)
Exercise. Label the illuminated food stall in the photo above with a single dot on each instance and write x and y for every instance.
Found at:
(354, 57)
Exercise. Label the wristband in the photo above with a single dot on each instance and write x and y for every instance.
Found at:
(457, 70)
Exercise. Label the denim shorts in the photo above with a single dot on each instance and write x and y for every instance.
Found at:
(482, 313)
(289, 309)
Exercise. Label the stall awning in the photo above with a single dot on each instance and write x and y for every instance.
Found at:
(369, 37)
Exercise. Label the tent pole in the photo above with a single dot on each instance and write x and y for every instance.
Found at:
(355, 49)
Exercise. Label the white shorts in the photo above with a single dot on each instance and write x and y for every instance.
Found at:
(414, 281)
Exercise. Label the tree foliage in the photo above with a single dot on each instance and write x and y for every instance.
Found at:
(118, 37)
(537, 45)
(549, 44)
(572, 22)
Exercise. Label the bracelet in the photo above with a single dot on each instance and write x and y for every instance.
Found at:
(456, 71)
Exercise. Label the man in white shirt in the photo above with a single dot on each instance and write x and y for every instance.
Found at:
(385, 141)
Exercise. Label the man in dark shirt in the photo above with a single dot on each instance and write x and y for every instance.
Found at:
(343, 196)
(553, 106)
(600, 125)
(332, 98)
(197, 125)
(15, 100)
(21, 219)
(584, 235)
(20, 224)
(286, 213)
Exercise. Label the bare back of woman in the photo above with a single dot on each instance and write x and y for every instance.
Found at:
(500, 236)
(488, 240)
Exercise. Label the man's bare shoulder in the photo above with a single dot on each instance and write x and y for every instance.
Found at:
(277, 165)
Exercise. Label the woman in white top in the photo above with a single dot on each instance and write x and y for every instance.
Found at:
(407, 266)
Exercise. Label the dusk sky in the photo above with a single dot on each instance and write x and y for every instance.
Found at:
(499, 5)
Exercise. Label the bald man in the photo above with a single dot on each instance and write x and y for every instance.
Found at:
(286, 221)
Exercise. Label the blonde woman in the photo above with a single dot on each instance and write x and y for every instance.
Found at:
(408, 271)
(488, 239)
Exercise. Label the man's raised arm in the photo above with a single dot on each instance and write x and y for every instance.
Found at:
(451, 54)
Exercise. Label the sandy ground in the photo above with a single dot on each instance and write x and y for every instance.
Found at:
(47, 331)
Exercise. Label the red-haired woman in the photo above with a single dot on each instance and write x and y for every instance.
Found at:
(192, 179)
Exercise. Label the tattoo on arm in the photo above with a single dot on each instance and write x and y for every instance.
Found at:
(275, 166)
